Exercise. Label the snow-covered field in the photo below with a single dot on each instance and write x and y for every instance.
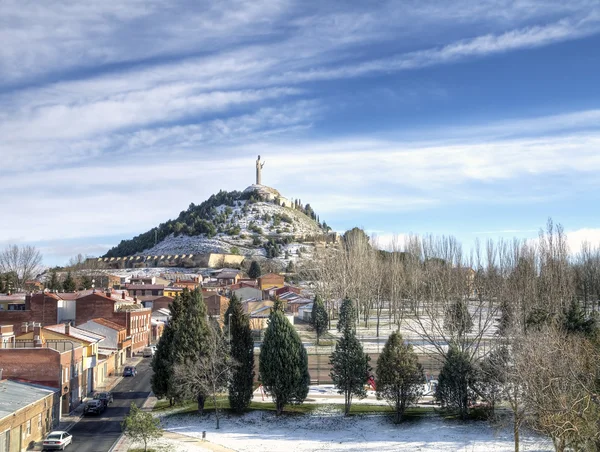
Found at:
(324, 431)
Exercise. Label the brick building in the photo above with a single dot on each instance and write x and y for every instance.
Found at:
(57, 364)
(27, 414)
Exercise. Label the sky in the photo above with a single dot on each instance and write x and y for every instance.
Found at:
(464, 118)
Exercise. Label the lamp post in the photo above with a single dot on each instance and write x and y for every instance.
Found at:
(229, 327)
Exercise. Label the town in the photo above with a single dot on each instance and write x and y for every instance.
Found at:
(278, 225)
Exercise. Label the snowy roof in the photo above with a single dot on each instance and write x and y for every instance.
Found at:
(16, 395)
(76, 333)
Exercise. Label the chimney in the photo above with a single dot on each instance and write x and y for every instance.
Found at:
(122, 295)
(67, 329)
(37, 335)
(25, 328)
(108, 293)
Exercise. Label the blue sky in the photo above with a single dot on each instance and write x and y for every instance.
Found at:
(475, 119)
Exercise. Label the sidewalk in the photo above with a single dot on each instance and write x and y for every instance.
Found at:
(68, 420)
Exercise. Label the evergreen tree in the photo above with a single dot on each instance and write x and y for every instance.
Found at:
(399, 375)
(164, 360)
(254, 272)
(242, 351)
(349, 367)
(318, 317)
(2, 290)
(576, 322)
(348, 315)
(456, 381)
(85, 282)
(53, 284)
(191, 332)
(69, 284)
(283, 364)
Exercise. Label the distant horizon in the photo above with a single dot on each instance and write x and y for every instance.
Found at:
(469, 119)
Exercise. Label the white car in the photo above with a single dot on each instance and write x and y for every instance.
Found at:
(57, 440)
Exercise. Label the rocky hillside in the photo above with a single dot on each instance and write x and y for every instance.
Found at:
(252, 223)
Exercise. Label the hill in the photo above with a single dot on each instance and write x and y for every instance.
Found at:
(257, 221)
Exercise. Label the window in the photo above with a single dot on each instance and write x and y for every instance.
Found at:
(39, 422)
(28, 428)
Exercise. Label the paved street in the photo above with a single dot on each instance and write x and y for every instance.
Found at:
(98, 433)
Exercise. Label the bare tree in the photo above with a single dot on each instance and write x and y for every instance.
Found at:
(210, 371)
(560, 374)
(23, 261)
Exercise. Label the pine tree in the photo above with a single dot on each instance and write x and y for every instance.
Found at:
(318, 317)
(85, 282)
(399, 375)
(69, 283)
(456, 381)
(283, 364)
(254, 272)
(348, 315)
(349, 367)
(53, 284)
(2, 289)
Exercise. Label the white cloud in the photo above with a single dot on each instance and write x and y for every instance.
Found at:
(577, 237)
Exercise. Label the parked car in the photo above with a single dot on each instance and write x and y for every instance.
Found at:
(148, 352)
(94, 406)
(57, 440)
(105, 397)
(129, 371)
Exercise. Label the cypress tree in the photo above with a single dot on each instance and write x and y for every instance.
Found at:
(69, 283)
(348, 315)
(242, 351)
(163, 361)
(254, 272)
(283, 364)
(399, 375)
(349, 367)
(318, 317)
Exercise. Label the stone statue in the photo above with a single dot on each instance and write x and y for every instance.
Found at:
(259, 166)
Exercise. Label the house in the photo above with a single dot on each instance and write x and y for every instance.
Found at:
(54, 363)
(7, 336)
(172, 291)
(216, 305)
(247, 293)
(190, 284)
(33, 286)
(27, 413)
(158, 303)
(271, 280)
(162, 315)
(64, 333)
(79, 307)
(228, 277)
(305, 312)
(112, 350)
(293, 301)
(141, 290)
(14, 302)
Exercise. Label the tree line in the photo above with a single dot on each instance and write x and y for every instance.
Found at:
(513, 323)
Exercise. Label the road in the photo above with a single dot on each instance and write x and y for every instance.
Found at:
(98, 433)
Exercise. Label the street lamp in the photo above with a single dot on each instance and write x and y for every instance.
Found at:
(229, 327)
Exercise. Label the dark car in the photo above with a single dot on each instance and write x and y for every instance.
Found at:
(129, 371)
(104, 397)
(94, 406)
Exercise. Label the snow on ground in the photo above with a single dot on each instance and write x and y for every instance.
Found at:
(326, 430)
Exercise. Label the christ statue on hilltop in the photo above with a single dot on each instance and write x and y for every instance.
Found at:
(259, 166)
